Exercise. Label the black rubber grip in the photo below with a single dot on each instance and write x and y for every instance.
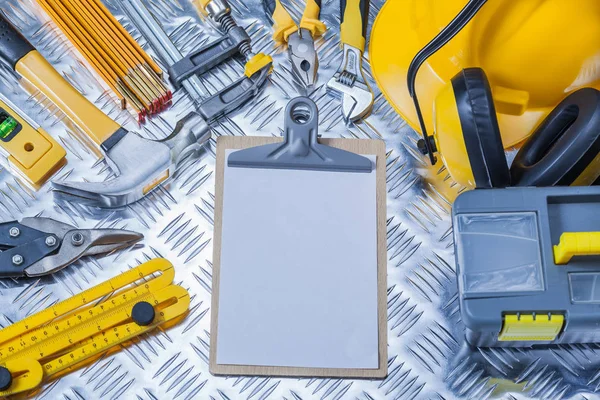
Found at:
(364, 13)
(13, 45)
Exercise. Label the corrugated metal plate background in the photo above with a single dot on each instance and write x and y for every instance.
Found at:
(428, 357)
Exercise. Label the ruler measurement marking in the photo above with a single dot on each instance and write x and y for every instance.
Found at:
(100, 321)
(96, 292)
(63, 337)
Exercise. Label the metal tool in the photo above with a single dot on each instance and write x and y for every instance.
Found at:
(299, 38)
(349, 83)
(74, 332)
(139, 174)
(184, 70)
(139, 164)
(41, 246)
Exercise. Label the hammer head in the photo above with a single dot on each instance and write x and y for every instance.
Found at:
(140, 165)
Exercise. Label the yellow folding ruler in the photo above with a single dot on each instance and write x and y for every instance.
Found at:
(78, 330)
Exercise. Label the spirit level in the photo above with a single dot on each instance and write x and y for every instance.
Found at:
(75, 331)
(25, 148)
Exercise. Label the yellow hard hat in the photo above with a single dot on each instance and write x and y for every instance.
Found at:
(534, 52)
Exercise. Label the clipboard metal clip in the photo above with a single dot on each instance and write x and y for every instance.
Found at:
(300, 149)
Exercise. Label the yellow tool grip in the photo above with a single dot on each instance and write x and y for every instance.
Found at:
(283, 23)
(355, 17)
(29, 375)
(201, 6)
(531, 328)
(147, 272)
(257, 63)
(311, 19)
(576, 244)
(93, 122)
(31, 153)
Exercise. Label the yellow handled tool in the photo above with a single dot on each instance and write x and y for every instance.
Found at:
(576, 244)
(355, 19)
(75, 331)
(22, 57)
(349, 82)
(27, 150)
(139, 164)
(284, 25)
(299, 38)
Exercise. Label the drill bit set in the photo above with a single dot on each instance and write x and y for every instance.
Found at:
(121, 62)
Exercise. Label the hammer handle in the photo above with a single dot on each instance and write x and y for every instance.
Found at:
(20, 55)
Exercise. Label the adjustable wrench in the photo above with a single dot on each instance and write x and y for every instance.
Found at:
(349, 83)
(140, 164)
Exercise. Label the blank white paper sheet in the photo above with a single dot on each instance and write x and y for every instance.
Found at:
(298, 271)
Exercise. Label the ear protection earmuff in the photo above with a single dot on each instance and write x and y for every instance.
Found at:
(473, 151)
(563, 150)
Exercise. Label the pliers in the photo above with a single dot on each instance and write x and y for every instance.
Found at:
(299, 38)
(40, 246)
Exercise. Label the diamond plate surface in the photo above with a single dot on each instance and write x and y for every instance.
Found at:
(428, 357)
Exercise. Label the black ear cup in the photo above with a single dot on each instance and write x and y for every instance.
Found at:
(564, 144)
(480, 128)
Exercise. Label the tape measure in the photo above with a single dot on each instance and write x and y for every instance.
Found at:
(76, 331)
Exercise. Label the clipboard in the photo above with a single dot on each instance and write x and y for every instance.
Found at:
(375, 149)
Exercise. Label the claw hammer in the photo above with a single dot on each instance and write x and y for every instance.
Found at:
(349, 83)
(140, 164)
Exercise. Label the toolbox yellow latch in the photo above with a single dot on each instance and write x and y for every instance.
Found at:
(576, 244)
(531, 327)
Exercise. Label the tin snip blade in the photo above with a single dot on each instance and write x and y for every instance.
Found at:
(41, 246)
(76, 331)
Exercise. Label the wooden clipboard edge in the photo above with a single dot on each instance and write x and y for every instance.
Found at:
(358, 146)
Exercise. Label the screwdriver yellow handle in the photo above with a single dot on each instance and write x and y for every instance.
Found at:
(91, 120)
(355, 18)
(576, 244)
(283, 23)
(311, 19)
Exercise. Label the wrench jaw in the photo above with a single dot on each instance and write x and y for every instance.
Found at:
(141, 164)
(351, 87)
(357, 101)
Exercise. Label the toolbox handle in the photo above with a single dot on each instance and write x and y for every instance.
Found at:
(576, 244)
